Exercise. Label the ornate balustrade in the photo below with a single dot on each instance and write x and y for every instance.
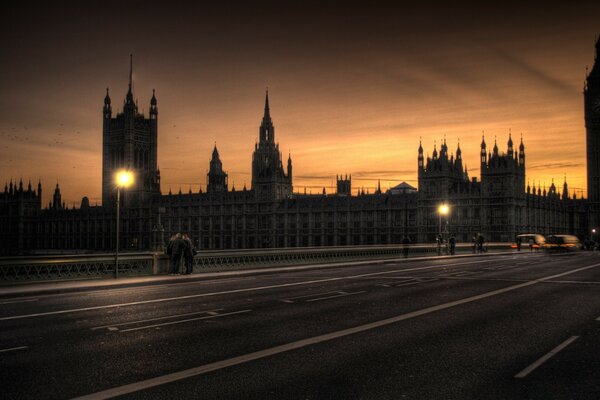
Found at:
(48, 268)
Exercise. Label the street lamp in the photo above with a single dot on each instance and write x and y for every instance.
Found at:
(123, 179)
(443, 209)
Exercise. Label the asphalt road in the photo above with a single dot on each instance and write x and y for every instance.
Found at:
(515, 326)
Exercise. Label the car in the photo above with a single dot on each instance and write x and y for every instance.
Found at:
(533, 241)
(562, 243)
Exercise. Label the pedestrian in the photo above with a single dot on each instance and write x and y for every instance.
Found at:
(175, 250)
(480, 242)
(474, 244)
(452, 242)
(188, 254)
(518, 243)
(405, 243)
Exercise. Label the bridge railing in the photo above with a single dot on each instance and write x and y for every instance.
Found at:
(256, 258)
(94, 266)
(49, 268)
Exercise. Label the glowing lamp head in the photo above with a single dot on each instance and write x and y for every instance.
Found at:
(594, 230)
(124, 178)
(443, 209)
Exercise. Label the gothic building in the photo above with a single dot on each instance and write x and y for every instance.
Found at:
(591, 95)
(500, 205)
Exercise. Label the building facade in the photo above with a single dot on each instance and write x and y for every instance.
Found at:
(500, 205)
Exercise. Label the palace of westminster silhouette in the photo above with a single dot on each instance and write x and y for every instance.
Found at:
(499, 206)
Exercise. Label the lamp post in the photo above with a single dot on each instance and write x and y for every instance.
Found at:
(123, 179)
(443, 209)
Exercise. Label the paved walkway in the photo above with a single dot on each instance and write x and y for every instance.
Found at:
(67, 286)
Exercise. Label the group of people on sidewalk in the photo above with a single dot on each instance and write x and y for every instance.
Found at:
(181, 248)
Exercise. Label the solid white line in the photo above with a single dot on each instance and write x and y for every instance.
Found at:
(185, 320)
(13, 349)
(192, 296)
(546, 357)
(155, 319)
(176, 376)
(18, 301)
(341, 294)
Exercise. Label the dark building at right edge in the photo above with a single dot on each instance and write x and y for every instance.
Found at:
(591, 95)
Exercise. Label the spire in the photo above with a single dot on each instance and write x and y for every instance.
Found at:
(107, 99)
(458, 150)
(521, 146)
(129, 97)
(130, 72)
(153, 99)
(215, 153)
(495, 146)
(267, 114)
(420, 147)
(483, 145)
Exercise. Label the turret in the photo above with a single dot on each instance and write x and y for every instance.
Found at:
(153, 107)
(565, 193)
(420, 158)
(483, 153)
(107, 108)
(522, 153)
(56, 199)
(510, 149)
(289, 167)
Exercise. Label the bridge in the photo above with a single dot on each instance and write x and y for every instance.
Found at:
(97, 266)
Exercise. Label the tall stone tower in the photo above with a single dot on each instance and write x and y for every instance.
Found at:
(591, 95)
(269, 180)
(129, 141)
(217, 178)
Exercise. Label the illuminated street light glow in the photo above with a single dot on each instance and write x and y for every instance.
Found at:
(443, 209)
(124, 178)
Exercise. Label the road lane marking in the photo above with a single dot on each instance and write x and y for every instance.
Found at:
(417, 282)
(191, 372)
(546, 357)
(155, 319)
(341, 294)
(184, 320)
(192, 296)
(291, 299)
(13, 349)
(18, 301)
(138, 289)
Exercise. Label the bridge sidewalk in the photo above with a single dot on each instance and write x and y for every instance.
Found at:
(73, 286)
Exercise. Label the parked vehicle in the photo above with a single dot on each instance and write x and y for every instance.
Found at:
(529, 241)
(562, 243)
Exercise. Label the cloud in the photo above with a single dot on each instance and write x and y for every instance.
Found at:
(555, 165)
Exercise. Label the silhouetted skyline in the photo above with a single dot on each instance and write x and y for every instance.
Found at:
(352, 87)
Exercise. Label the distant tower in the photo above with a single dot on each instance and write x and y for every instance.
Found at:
(129, 141)
(344, 185)
(217, 178)
(591, 95)
(269, 180)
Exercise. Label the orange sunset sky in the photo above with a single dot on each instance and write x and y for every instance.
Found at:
(352, 87)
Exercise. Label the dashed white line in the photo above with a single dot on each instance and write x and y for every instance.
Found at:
(210, 312)
(546, 357)
(13, 349)
(341, 294)
(185, 320)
